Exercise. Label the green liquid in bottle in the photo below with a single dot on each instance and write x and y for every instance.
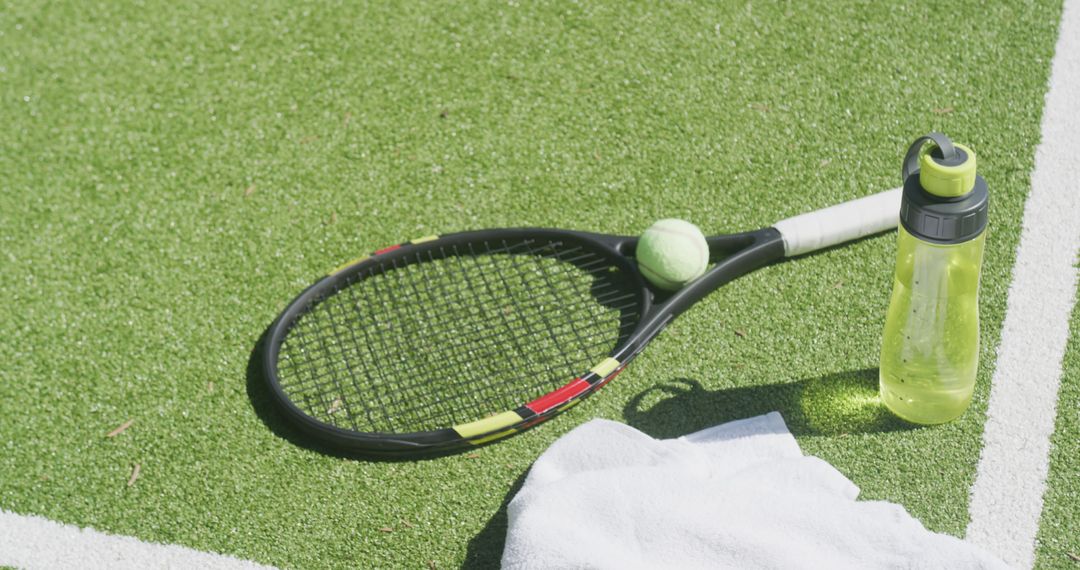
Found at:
(930, 349)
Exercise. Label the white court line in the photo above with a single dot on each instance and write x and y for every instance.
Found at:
(30, 542)
(1007, 496)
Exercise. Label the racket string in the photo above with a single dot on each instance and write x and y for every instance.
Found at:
(429, 341)
(324, 369)
(573, 322)
(376, 375)
(324, 372)
(465, 380)
(527, 371)
(494, 355)
(447, 345)
(550, 332)
(315, 400)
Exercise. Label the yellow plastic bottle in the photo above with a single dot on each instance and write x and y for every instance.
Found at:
(930, 347)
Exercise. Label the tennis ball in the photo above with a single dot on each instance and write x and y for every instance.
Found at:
(672, 253)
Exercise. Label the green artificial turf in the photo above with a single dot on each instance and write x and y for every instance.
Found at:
(172, 174)
(1058, 540)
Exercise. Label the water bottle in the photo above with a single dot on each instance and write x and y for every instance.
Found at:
(930, 348)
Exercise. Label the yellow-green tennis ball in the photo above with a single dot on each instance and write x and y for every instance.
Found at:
(672, 253)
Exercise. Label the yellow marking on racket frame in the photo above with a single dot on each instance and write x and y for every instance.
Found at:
(606, 366)
(348, 264)
(487, 425)
(569, 405)
(431, 237)
(492, 437)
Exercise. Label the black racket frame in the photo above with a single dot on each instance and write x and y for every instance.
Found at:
(735, 255)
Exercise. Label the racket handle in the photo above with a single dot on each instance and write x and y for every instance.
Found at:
(840, 223)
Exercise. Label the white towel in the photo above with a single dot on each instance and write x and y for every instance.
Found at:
(739, 495)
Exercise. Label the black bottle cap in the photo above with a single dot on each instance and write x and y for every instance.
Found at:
(943, 220)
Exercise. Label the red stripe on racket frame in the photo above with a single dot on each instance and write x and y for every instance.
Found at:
(548, 401)
(386, 249)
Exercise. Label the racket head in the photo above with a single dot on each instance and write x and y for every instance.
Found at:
(453, 341)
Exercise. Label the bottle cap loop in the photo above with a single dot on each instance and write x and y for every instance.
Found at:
(945, 169)
(911, 161)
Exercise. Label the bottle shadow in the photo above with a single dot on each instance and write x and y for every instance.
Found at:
(834, 404)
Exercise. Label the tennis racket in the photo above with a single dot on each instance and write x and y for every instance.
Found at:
(461, 339)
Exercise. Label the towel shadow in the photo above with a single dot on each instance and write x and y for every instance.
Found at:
(486, 548)
(834, 404)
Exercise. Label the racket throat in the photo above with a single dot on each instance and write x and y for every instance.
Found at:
(762, 248)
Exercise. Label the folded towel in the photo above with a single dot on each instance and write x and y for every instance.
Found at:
(739, 495)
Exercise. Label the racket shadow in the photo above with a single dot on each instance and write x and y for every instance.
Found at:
(835, 404)
(272, 417)
(268, 412)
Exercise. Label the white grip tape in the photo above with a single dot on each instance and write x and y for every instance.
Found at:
(840, 223)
